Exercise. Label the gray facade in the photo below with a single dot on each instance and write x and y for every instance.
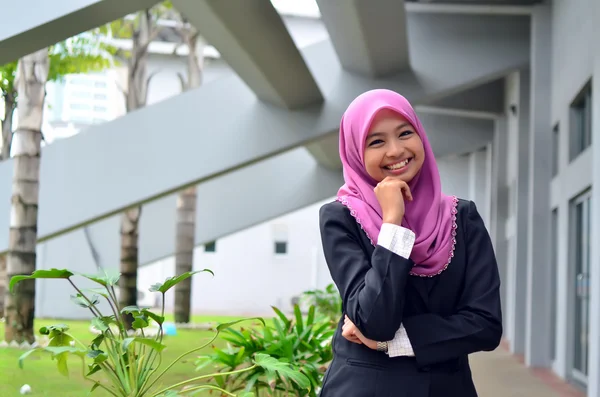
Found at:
(506, 90)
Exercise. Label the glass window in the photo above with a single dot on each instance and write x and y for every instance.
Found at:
(580, 257)
(581, 122)
(210, 246)
(280, 247)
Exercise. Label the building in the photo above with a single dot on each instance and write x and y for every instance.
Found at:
(506, 90)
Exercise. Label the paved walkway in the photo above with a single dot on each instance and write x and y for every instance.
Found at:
(500, 374)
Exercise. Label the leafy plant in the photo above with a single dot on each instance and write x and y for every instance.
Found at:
(304, 344)
(129, 359)
(327, 301)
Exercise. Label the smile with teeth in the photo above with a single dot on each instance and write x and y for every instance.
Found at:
(399, 165)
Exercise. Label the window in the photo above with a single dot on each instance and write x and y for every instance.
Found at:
(82, 94)
(100, 84)
(100, 96)
(581, 122)
(80, 106)
(280, 238)
(100, 109)
(210, 246)
(281, 247)
(555, 150)
(580, 292)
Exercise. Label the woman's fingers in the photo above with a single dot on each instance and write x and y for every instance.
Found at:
(349, 331)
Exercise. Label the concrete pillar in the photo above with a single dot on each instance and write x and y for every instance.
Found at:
(539, 290)
(594, 337)
(499, 205)
(516, 227)
(478, 182)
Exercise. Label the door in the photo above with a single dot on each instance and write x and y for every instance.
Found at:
(580, 254)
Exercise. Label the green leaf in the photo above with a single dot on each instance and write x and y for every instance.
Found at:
(172, 281)
(81, 301)
(107, 279)
(95, 384)
(27, 354)
(61, 354)
(285, 370)
(299, 322)
(100, 324)
(222, 326)
(97, 341)
(159, 319)
(139, 322)
(131, 310)
(311, 316)
(98, 291)
(54, 328)
(44, 274)
(282, 316)
(8, 73)
(159, 347)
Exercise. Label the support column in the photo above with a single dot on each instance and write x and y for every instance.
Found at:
(499, 205)
(594, 337)
(539, 286)
(521, 219)
(478, 182)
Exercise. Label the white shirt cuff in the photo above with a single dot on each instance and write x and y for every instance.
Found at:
(400, 345)
(397, 239)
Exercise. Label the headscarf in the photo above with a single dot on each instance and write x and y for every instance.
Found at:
(431, 215)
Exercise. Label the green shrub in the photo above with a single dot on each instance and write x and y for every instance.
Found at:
(304, 344)
(327, 301)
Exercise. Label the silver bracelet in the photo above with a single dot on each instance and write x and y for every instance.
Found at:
(382, 347)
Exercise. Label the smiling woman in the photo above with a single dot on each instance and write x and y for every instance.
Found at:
(415, 267)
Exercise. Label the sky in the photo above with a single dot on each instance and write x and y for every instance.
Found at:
(306, 8)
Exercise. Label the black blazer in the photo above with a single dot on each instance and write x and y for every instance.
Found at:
(446, 317)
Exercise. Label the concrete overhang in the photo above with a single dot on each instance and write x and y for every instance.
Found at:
(369, 37)
(253, 40)
(30, 25)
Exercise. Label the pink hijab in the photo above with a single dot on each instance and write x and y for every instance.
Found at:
(431, 215)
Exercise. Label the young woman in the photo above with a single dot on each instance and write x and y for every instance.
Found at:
(415, 268)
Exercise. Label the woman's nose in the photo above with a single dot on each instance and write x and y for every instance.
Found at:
(395, 149)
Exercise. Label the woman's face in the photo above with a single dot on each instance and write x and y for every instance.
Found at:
(393, 148)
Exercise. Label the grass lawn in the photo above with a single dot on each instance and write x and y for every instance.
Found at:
(41, 374)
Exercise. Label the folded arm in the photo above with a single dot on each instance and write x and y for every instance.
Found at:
(371, 287)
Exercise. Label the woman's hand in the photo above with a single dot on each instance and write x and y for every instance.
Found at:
(353, 334)
(391, 193)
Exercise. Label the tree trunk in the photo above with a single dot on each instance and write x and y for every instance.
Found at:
(9, 110)
(129, 259)
(32, 74)
(3, 283)
(136, 95)
(186, 206)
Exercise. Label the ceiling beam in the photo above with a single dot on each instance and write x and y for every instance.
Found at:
(29, 25)
(253, 40)
(369, 36)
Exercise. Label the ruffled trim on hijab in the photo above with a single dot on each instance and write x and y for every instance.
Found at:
(344, 201)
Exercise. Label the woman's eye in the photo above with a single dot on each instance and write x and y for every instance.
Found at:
(375, 142)
(406, 133)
